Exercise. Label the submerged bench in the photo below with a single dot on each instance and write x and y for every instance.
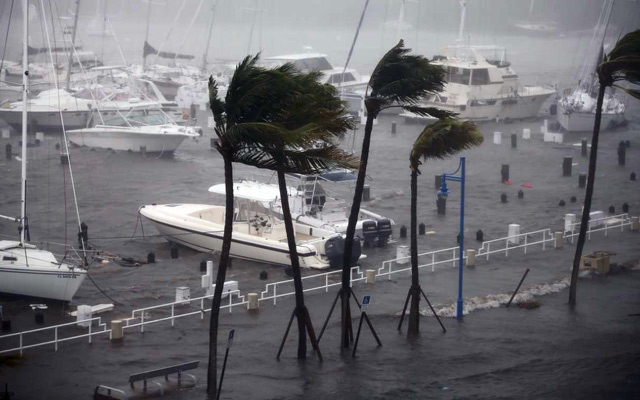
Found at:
(103, 392)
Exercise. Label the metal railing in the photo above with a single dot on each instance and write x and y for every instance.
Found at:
(172, 311)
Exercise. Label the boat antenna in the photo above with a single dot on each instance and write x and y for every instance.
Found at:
(73, 40)
(463, 14)
(25, 96)
(353, 44)
(146, 36)
(64, 132)
(206, 49)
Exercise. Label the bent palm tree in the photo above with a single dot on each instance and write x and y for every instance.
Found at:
(440, 140)
(621, 64)
(241, 119)
(399, 80)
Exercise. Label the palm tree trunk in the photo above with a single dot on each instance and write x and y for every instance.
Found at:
(591, 178)
(300, 312)
(212, 371)
(414, 311)
(351, 230)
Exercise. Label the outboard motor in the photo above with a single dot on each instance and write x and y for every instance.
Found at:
(384, 231)
(369, 232)
(334, 250)
(356, 251)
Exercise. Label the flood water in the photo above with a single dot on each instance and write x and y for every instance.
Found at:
(551, 352)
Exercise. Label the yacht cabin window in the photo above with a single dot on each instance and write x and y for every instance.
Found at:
(458, 75)
(312, 64)
(480, 77)
(337, 78)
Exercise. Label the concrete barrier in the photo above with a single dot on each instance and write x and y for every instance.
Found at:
(557, 240)
(634, 224)
(252, 303)
(371, 276)
(471, 258)
(117, 331)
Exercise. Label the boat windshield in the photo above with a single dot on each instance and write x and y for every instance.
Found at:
(137, 118)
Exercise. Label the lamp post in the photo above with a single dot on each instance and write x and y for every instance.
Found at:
(443, 193)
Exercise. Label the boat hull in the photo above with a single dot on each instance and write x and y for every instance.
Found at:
(46, 121)
(206, 236)
(39, 276)
(124, 140)
(583, 121)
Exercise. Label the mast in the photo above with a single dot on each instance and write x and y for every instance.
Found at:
(73, 42)
(146, 36)
(463, 4)
(25, 97)
(206, 49)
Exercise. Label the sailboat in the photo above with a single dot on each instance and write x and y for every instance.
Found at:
(577, 107)
(24, 269)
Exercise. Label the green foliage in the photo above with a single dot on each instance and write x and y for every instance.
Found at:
(402, 78)
(443, 139)
(622, 64)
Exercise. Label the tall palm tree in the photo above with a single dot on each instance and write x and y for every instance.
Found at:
(622, 64)
(440, 140)
(399, 80)
(242, 118)
(311, 117)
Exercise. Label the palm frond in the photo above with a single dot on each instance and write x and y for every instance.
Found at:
(217, 106)
(631, 92)
(430, 111)
(444, 139)
(405, 78)
(623, 61)
(305, 161)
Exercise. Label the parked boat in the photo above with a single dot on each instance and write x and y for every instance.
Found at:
(141, 130)
(312, 205)
(24, 269)
(257, 234)
(577, 107)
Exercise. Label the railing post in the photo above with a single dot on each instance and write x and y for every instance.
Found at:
(488, 250)
(172, 314)
(21, 343)
(275, 287)
(390, 264)
(433, 261)
(544, 240)
(90, 326)
(142, 321)
(55, 336)
(326, 283)
(589, 231)
(525, 244)
(202, 308)
(453, 260)
(230, 302)
(506, 247)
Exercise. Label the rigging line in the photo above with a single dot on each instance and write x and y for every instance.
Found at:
(101, 291)
(186, 34)
(113, 33)
(166, 39)
(64, 133)
(6, 36)
(353, 45)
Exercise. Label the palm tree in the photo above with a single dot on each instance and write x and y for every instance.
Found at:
(311, 116)
(399, 80)
(621, 64)
(440, 140)
(241, 119)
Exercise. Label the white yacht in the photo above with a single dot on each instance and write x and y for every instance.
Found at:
(258, 235)
(478, 89)
(141, 130)
(577, 107)
(24, 269)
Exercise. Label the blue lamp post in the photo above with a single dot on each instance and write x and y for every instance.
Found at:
(443, 193)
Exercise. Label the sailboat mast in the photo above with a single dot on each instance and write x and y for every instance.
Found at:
(73, 42)
(463, 4)
(206, 49)
(25, 96)
(146, 36)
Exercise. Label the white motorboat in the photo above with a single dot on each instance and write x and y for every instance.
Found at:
(141, 130)
(257, 234)
(24, 269)
(483, 88)
(349, 79)
(577, 107)
(311, 204)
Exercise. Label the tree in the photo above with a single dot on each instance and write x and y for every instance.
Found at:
(311, 116)
(621, 64)
(241, 120)
(443, 139)
(399, 79)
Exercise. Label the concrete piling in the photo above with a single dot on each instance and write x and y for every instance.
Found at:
(8, 151)
(497, 138)
(504, 173)
(612, 210)
(573, 199)
(582, 180)
(557, 240)
(471, 258)
(264, 276)
(566, 166)
(393, 127)
(253, 303)
(175, 252)
(632, 177)
(634, 224)
(583, 148)
(403, 232)
(438, 181)
(143, 150)
(562, 203)
(622, 154)
(526, 133)
(117, 331)
(151, 257)
(422, 228)
(371, 276)
(514, 140)
(480, 235)
(503, 198)
(520, 194)
(64, 158)
(625, 208)
(441, 204)
(366, 193)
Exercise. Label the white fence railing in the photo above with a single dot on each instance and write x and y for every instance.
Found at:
(142, 317)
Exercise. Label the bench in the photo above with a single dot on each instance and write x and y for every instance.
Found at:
(107, 393)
